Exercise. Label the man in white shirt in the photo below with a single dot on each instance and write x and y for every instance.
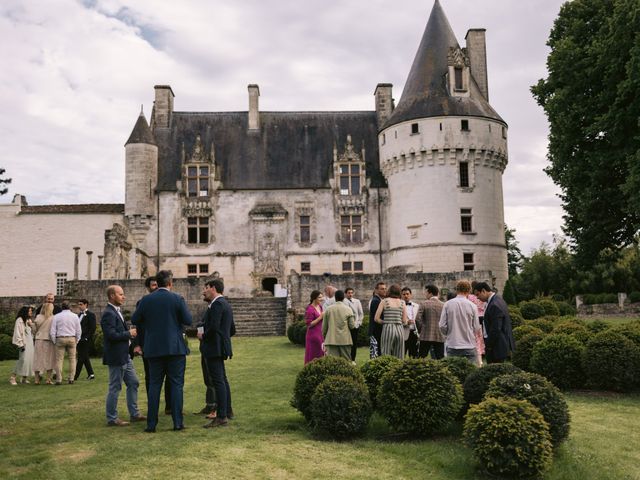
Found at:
(410, 333)
(65, 333)
(329, 298)
(358, 313)
(458, 323)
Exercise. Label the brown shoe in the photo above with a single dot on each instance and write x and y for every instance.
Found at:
(117, 423)
(139, 418)
(218, 422)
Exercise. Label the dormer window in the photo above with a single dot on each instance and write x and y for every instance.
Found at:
(197, 180)
(458, 72)
(350, 179)
(458, 78)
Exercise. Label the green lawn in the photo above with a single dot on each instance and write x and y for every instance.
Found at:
(59, 432)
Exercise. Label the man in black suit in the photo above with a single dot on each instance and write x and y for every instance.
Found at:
(49, 298)
(117, 336)
(162, 315)
(219, 327)
(375, 328)
(88, 325)
(497, 323)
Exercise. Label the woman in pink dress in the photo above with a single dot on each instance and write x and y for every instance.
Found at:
(313, 347)
(479, 335)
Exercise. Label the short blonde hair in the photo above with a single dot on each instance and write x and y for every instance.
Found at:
(463, 286)
(47, 310)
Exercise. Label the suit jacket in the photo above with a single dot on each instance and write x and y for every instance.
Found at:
(412, 314)
(219, 327)
(116, 337)
(161, 315)
(336, 322)
(498, 325)
(427, 320)
(375, 329)
(355, 305)
(88, 325)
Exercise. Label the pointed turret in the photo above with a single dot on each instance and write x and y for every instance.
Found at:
(141, 132)
(427, 91)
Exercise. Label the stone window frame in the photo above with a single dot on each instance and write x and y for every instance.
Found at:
(199, 177)
(466, 221)
(61, 281)
(459, 72)
(468, 261)
(355, 266)
(305, 210)
(348, 229)
(199, 225)
(305, 267)
(197, 270)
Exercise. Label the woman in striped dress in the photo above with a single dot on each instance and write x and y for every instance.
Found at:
(395, 316)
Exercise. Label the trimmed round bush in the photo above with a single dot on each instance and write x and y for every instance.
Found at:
(631, 330)
(565, 308)
(634, 297)
(543, 324)
(374, 369)
(419, 396)
(97, 349)
(7, 324)
(597, 326)
(363, 333)
(541, 393)
(516, 316)
(575, 329)
(297, 332)
(524, 330)
(558, 357)
(340, 408)
(8, 351)
(550, 307)
(509, 437)
(477, 383)
(313, 374)
(531, 310)
(460, 367)
(612, 362)
(521, 358)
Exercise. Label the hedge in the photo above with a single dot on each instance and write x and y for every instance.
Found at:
(558, 357)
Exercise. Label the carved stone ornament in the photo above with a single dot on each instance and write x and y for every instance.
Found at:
(458, 57)
(116, 252)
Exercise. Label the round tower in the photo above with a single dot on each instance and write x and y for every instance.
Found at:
(443, 151)
(141, 174)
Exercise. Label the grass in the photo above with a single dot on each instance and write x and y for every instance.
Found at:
(49, 432)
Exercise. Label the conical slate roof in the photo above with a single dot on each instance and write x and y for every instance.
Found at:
(141, 132)
(425, 93)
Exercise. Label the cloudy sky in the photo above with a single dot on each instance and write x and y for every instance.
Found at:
(77, 72)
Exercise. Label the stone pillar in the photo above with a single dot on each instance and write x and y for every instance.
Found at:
(76, 262)
(254, 112)
(89, 254)
(100, 257)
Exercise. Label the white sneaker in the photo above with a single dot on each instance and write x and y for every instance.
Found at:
(12, 381)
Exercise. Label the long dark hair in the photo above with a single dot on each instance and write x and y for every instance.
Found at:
(23, 313)
(315, 294)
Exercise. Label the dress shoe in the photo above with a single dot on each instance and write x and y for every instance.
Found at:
(91, 377)
(70, 382)
(205, 411)
(178, 428)
(117, 423)
(58, 383)
(139, 418)
(150, 430)
(218, 422)
(167, 411)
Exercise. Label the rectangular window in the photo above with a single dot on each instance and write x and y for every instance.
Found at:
(357, 266)
(415, 128)
(349, 179)
(305, 229)
(504, 132)
(346, 266)
(464, 174)
(464, 125)
(467, 260)
(197, 180)
(384, 139)
(465, 220)
(61, 281)
(198, 230)
(197, 270)
(305, 267)
(349, 267)
(351, 228)
(458, 78)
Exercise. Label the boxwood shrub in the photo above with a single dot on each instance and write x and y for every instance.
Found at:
(419, 396)
(597, 326)
(340, 408)
(543, 324)
(558, 357)
(516, 316)
(97, 349)
(524, 330)
(509, 437)
(8, 351)
(374, 369)
(477, 383)
(297, 332)
(531, 310)
(363, 333)
(521, 358)
(631, 330)
(541, 393)
(550, 307)
(566, 308)
(634, 297)
(575, 329)
(460, 367)
(612, 362)
(313, 374)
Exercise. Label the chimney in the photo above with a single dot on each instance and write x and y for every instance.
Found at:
(254, 112)
(384, 102)
(477, 52)
(163, 106)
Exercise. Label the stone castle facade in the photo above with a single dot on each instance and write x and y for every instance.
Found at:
(256, 197)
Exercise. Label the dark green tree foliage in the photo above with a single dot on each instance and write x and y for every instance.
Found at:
(3, 182)
(514, 254)
(541, 393)
(592, 100)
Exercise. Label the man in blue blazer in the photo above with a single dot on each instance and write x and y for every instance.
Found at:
(219, 327)
(497, 324)
(162, 314)
(117, 337)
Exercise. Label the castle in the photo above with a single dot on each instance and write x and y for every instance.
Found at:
(258, 196)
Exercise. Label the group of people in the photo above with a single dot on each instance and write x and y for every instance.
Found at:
(472, 323)
(44, 340)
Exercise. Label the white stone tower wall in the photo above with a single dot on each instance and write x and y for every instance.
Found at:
(141, 173)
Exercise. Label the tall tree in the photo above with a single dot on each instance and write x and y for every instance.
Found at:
(514, 254)
(592, 100)
(3, 182)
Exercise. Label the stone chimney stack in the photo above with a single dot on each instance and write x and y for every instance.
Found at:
(384, 102)
(254, 112)
(477, 52)
(162, 107)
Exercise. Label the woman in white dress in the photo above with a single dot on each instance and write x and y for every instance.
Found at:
(23, 339)
(45, 355)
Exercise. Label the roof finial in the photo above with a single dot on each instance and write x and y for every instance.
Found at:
(142, 109)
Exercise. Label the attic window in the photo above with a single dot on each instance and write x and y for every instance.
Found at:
(415, 128)
(197, 180)
(464, 125)
(350, 179)
(458, 78)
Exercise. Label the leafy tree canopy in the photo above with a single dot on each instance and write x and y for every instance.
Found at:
(3, 182)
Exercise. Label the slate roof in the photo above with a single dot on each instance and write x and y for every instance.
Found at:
(292, 150)
(425, 92)
(141, 132)
(78, 208)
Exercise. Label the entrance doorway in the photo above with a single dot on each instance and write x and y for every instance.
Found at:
(268, 284)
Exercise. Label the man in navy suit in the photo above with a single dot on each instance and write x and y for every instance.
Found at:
(162, 314)
(497, 324)
(219, 327)
(117, 337)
